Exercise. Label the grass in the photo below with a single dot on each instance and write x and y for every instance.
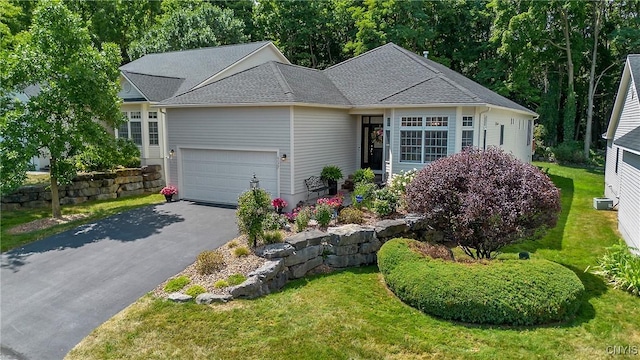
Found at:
(351, 314)
(95, 210)
(37, 179)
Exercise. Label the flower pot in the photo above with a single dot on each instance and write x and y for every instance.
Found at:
(333, 187)
(168, 198)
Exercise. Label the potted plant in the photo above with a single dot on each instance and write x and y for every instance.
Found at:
(279, 204)
(168, 192)
(331, 174)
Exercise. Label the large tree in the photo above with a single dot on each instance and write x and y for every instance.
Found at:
(59, 94)
(189, 25)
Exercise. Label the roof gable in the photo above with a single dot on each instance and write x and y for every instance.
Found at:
(630, 76)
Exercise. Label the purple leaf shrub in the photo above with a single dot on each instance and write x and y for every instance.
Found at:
(485, 199)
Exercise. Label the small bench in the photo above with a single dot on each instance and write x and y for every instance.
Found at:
(316, 185)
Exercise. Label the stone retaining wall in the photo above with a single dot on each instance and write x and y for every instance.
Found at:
(339, 247)
(91, 186)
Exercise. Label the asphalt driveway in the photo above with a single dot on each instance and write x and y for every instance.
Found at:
(55, 291)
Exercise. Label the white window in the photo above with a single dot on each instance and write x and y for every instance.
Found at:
(467, 131)
(153, 128)
(467, 121)
(423, 141)
(136, 132)
(123, 130)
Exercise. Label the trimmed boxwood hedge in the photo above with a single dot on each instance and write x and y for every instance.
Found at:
(513, 292)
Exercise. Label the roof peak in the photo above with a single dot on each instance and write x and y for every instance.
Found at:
(264, 42)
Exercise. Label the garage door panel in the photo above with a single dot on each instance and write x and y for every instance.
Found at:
(221, 175)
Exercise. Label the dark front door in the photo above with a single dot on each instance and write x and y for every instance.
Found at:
(372, 142)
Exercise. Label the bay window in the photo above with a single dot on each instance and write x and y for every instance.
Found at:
(423, 139)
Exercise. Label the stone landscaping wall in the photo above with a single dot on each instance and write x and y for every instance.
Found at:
(91, 186)
(339, 247)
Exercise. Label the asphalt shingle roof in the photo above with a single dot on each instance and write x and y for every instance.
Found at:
(391, 75)
(630, 140)
(155, 88)
(194, 66)
(271, 82)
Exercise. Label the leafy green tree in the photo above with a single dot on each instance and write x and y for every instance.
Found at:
(189, 26)
(74, 102)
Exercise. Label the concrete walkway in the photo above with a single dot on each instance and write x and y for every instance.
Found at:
(54, 292)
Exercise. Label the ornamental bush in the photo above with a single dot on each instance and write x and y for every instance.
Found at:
(484, 199)
(253, 207)
(512, 292)
(195, 290)
(351, 215)
(323, 215)
(176, 284)
(209, 261)
(621, 268)
(363, 176)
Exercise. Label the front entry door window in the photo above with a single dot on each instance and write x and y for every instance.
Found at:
(372, 142)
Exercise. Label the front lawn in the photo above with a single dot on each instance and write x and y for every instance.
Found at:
(94, 209)
(351, 314)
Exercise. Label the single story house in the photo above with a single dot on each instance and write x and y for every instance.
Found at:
(156, 77)
(622, 172)
(388, 109)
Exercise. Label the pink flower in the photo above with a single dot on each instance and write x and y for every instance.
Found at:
(169, 190)
(279, 203)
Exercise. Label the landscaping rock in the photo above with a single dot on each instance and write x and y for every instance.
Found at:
(273, 251)
(269, 270)
(300, 256)
(370, 247)
(336, 261)
(278, 282)
(350, 234)
(341, 250)
(307, 238)
(208, 298)
(298, 271)
(249, 289)
(416, 222)
(179, 297)
(387, 229)
(153, 184)
(151, 169)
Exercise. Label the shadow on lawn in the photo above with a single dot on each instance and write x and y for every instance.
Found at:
(127, 226)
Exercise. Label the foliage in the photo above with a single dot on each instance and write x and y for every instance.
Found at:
(621, 268)
(513, 292)
(363, 176)
(278, 204)
(323, 215)
(220, 284)
(169, 190)
(333, 202)
(58, 63)
(236, 279)
(351, 215)
(241, 251)
(397, 184)
(209, 261)
(274, 221)
(368, 192)
(190, 28)
(484, 200)
(302, 219)
(232, 244)
(253, 207)
(111, 154)
(272, 237)
(195, 290)
(569, 152)
(331, 172)
(386, 202)
(176, 284)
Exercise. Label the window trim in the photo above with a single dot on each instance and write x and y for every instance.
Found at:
(154, 135)
(411, 125)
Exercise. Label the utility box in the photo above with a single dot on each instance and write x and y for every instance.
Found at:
(602, 203)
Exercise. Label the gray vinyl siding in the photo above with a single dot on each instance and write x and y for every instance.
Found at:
(629, 207)
(629, 120)
(322, 137)
(230, 128)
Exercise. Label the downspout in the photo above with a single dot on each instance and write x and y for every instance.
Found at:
(480, 133)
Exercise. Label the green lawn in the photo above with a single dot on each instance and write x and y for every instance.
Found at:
(351, 314)
(94, 209)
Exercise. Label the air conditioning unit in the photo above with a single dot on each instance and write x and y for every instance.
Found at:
(602, 203)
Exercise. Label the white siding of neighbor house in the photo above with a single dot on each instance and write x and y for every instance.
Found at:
(629, 207)
(322, 136)
(251, 128)
(261, 56)
(128, 91)
(629, 120)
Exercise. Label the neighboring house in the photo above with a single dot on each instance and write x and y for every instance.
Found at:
(622, 173)
(388, 109)
(42, 161)
(156, 77)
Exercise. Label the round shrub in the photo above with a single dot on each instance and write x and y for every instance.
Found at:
(323, 215)
(274, 221)
(176, 284)
(253, 207)
(209, 262)
(195, 290)
(351, 215)
(241, 251)
(513, 292)
(363, 176)
(272, 237)
(220, 284)
(302, 219)
(484, 199)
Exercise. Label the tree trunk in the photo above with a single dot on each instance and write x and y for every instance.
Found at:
(592, 74)
(55, 199)
(570, 107)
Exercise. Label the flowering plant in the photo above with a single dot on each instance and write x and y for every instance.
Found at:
(334, 202)
(279, 203)
(169, 190)
(376, 135)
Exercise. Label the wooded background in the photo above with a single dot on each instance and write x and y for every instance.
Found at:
(562, 59)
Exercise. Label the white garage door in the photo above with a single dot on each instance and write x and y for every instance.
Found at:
(629, 208)
(219, 176)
